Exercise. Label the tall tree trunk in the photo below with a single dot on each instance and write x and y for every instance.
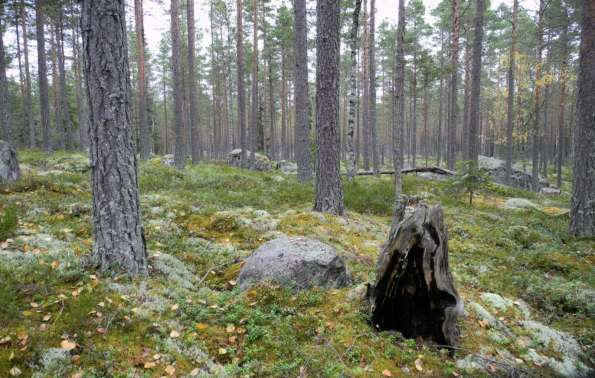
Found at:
(452, 97)
(372, 97)
(118, 230)
(399, 100)
(350, 147)
(5, 116)
(20, 65)
(58, 123)
(440, 104)
(582, 207)
(82, 112)
(510, 100)
(426, 117)
(145, 136)
(302, 140)
(413, 132)
(329, 193)
(366, 84)
(562, 103)
(475, 83)
(254, 96)
(241, 92)
(194, 117)
(284, 147)
(28, 99)
(178, 88)
(466, 96)
(66, 128)
(42, 77)
(535, 130)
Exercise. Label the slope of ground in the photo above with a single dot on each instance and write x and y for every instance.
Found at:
(528, 288)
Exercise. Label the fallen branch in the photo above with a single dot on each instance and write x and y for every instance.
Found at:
(436, 170)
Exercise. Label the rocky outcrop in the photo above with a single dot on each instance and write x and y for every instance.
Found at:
(497, 169)
(260, 162)
(297, 262)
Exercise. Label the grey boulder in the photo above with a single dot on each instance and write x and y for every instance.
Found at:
(296, 262)
(260, 163)
(9, 165)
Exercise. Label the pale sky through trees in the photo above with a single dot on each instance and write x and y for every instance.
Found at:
(157, 22)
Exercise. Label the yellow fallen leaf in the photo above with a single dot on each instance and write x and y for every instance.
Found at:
(194, 372)
(222, 351)
(230, 328)
(418, 364)
(387, 373)
(15, 371)
(174, 307)
(34, 304)
(174, 334)
(170, 370)
(68, 345)
(47, 317)
(55, 264)
(150, 365)
(201, 326)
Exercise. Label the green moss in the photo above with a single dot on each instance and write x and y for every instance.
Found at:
(8, 223)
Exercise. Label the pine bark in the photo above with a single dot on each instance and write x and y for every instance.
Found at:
(510, 100)
(65, 127)
(329, 193)
(365, 131)
(582, 207)
(302, 140)
(350, 142)
(194, 116)
(178, 88)
(42, 80)
(475, 100)
(118, 230)
(452, 97)
(143, 127)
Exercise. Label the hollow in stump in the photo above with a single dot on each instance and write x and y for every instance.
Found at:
(414, 292)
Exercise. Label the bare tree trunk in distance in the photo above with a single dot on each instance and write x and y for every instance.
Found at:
(28, 99)
(118, 230)
(510, 100)
(535, 130)
(582, 207)
(350, 143)
(452, 97)
(143, 127)
(44, 103)
(562, 105)
(5, 115)
(372, 96)
(475, 99)
(194, 117)
(302, 140)
(254, 96)
(329, 192)
(399, 121)
(241, 92)
(178, 88)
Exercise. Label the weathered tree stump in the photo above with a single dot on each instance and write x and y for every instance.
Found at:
(9, 164)
(414, 292)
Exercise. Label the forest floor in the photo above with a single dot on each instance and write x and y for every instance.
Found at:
(528, 287)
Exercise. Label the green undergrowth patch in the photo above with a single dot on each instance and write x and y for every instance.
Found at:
(202, 222)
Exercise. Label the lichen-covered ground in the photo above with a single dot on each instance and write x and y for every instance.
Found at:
(528, 287)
